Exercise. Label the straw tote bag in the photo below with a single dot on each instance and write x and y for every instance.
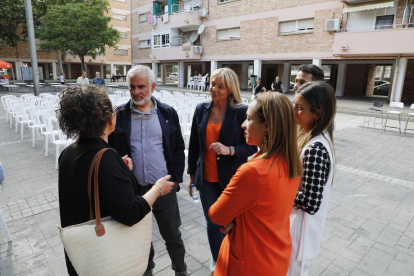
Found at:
(107, 247)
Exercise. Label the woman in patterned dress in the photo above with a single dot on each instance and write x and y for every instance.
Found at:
(315, 108)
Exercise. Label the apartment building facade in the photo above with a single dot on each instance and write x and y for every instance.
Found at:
(114, 62)
(357, 42)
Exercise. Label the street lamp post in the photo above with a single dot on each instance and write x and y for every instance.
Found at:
(32, 45)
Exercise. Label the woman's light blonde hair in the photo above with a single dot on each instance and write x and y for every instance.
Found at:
(276, 110)
(230, 80)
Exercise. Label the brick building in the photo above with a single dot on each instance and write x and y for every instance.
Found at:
(357, 42)
(114, 62)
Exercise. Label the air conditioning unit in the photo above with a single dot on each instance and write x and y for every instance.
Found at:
(333, 25)
(198, 49)
(202, 13)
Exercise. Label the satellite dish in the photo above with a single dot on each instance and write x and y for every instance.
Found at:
(201, 29)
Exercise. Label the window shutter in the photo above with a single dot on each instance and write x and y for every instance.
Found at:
(287, 27)
(235, 33)
(223, 34)
(305, 25)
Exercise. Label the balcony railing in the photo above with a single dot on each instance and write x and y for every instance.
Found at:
(376, 28)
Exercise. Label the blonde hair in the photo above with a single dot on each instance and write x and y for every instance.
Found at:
(231, 82)
(281, 140)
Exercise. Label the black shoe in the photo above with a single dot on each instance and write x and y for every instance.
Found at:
(148, 272)
(184, 273)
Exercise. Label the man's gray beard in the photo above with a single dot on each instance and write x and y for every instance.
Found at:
(142, 102)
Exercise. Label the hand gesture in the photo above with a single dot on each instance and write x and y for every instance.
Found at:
(220, 149)
(165, 185)
(128, 162)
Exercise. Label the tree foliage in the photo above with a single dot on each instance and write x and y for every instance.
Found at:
(13, 26)
(78, 27)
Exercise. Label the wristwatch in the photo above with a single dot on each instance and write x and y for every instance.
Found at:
(232, 151)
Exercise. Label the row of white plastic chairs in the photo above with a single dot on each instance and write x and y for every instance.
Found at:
(38, 115)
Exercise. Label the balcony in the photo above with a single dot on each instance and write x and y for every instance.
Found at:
(76, 59)
(182, 20)
(374, 43)
(175, 53)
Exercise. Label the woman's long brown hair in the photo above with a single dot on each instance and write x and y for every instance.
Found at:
(276, 110)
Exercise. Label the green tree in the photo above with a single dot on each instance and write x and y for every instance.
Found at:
(79, 28)
(13, 26)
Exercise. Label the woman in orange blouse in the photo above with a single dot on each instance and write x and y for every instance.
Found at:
(257, 202)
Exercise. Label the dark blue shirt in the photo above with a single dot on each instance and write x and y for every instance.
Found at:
(99, 82)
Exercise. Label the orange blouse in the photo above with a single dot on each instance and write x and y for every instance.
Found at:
(260, 202)
(210, 172)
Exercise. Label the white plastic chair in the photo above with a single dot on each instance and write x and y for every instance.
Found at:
(25, 119)
(114, 99)
(205, 97)
(58, 138)
(5, 107)
(18, 114)
(124, 100)
(396, 108)
(42, 95)
(410, 113)
(42, 117)
(34, 122)
(202, 83)
(120, 94)
(190, 84)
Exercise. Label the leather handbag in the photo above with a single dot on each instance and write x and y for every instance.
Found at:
(107, 247)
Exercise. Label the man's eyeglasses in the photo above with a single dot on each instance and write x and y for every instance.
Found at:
(115, 110)
(143, 117)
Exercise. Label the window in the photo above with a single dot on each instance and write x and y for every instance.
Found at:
(226, 34)
(384, 22)
(162, 41)
(121, 52)
(119, 17)
(225, 1)
(145, 44)
(143, 17)
(123, 1)
(123, 35)
(296, 26)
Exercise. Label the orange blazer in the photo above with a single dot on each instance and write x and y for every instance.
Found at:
(260, 202)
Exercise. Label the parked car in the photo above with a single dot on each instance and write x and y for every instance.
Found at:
(382, 89)
(174, 76)
(292, 85)
(379, 82)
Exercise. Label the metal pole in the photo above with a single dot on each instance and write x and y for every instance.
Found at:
(32, 45)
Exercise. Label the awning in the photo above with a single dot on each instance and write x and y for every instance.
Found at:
(5, 65)
(374, 5)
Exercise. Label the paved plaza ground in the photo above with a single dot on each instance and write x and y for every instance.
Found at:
(369, 228)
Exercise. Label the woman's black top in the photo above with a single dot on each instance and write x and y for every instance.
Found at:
(277, 86)
(118, 188)
(258, 88)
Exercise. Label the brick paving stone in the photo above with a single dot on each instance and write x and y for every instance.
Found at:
(369, 228)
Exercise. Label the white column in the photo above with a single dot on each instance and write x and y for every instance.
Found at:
(400, 80)
(181, 73)
(162, 68)
(245, 77)
(340, 80)
(18, 65)
(69, 76)
(155, 70)
(101, 69)
(54, 72)
(286, 77)
(112, 70)
(257, 68)
(125, 70)
(213, 67)
(317, 62)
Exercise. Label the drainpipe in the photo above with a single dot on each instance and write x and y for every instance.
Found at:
(394, 83)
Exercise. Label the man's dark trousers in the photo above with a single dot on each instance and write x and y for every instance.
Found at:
(165, 210)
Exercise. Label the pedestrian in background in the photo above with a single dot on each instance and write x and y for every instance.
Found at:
(308, 73)
(259, 88)
(83, 80)
(277, 86)
(217, 147)
(257, 202)
(207, 84)
(98, 81)
(62, 79)
(315, 108)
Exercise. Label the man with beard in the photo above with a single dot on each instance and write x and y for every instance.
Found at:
(308, 73)
(149, 131)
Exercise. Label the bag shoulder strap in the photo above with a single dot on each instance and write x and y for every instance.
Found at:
(99, 228)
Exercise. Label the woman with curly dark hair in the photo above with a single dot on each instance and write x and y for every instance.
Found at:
(88, 115)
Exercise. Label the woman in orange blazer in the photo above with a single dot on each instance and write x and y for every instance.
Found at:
(255, 206)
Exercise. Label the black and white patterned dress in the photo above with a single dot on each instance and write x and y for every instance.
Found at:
(316, 167)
